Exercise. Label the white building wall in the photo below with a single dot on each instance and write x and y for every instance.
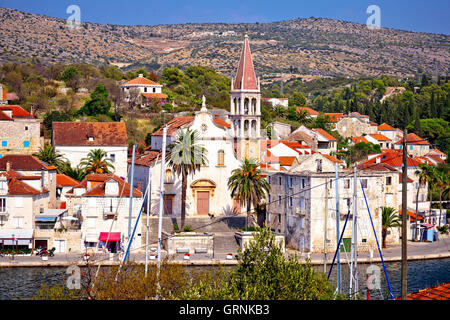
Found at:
(75, 153)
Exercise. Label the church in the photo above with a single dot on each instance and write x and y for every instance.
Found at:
(227, 142)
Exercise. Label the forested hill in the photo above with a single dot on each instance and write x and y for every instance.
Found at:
(295, 48)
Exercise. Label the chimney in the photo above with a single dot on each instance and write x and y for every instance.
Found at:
(377, 160)
(42, 178)
(8, 166)
(139, 186)
(141, 75)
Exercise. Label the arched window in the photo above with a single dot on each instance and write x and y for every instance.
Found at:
(221, 158)
(168, 176)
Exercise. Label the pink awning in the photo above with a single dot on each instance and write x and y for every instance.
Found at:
(114, 236)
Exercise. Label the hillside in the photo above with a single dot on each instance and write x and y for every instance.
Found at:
(304, 48)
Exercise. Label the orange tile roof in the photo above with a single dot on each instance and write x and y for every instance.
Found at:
(393, 158)
(64, 180)
(221, 122)
(141, 81)
(17, 187)
(286, 161)
(439, 292)
(173, 125)
(413, 138)
(325, 134)
(147, 158)
(334, 117)
(99, 187)
(385, 127)
(78, 133)
(17, 111)
(331, 158)
(357, 140)
(373, 123)
(154, 95)
(435, 158)
(23, 162)
(5, 117)
(379, 137)
(412, 215)
(310, 111)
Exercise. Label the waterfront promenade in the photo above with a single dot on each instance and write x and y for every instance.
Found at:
(416, 251)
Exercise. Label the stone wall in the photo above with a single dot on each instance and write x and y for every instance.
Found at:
(189, 242)
(16, 132)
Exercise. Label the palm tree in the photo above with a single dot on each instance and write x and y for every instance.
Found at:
(97, 162)
(77, 173)
(49, 155)
(442, 178)
(390, 219)
(248, 186)
(185, 156)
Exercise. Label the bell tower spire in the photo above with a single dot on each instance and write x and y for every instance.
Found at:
(245, 108)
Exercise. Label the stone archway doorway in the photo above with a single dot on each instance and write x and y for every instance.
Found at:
(203, 191)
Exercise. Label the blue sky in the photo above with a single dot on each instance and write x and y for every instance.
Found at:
(413, 15)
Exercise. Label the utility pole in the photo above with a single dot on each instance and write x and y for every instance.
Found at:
(149, 194)
(161, 200)
(404, 219)
(130, 205)
(338, 264)
(354, 251)
(325, 230)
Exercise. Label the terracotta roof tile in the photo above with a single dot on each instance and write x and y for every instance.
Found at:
(99, 185)
(64, 180)
(17, 111)
(173, 125)
(78, 133)
(5, 117)
(23, 162)
(334, 117)
(385, 127)
(325, 134)
(310, 111)
(331, 158)
(379, 137)
(141, 81)
(221, 122)
(357, 140)
(154, 95)
(17, 187)
(439, 292)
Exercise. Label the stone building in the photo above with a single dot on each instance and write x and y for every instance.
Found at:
(302, 207)
(101, 203)
(353, 125)
(142, 91)
(40, 174)
(20, 131)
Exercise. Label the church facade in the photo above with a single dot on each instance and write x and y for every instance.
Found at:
(227, 142)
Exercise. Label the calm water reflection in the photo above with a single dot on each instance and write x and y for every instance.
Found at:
(16, 283)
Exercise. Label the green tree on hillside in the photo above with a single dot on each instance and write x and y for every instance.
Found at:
(99, 103)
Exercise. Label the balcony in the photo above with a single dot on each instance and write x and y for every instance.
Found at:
(109, 213)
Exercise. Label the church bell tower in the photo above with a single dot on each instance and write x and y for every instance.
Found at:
(245, 108)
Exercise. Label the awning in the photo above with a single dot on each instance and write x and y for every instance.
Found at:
(114, 236)
(21, 236)
(49, 215)
(45, 219)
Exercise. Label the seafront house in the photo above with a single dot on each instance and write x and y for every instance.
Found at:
(74, 140)
(20, 131)
(22, 200)
(40, 173)
(101, 203)
(302, 207)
